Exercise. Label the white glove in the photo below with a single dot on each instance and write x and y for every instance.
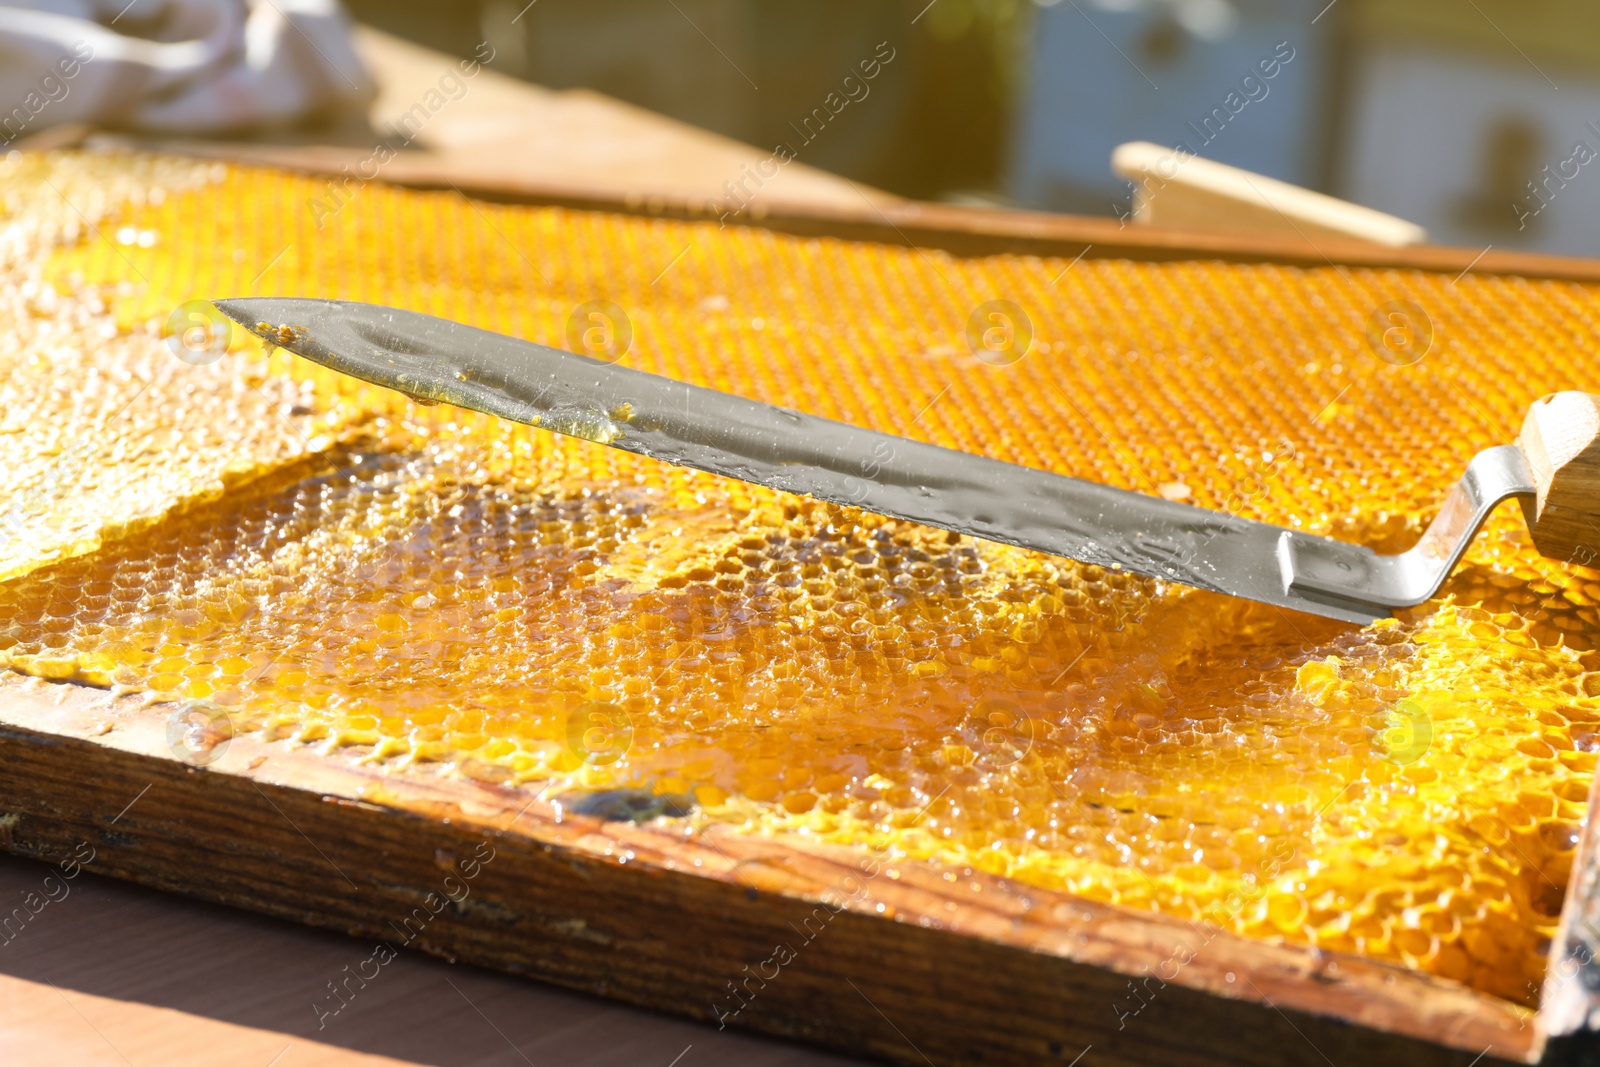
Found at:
(194, 66)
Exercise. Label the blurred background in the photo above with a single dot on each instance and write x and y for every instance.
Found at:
(1477, 119)
(1465, 116)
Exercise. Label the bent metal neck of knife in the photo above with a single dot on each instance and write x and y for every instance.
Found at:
(1355, 580)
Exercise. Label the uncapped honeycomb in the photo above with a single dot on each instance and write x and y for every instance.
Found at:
(423, 587)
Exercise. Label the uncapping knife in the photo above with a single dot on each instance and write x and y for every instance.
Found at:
(1554, 469)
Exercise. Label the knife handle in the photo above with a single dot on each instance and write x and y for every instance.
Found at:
(1561, 442)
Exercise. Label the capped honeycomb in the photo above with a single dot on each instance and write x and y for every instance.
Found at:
(429, 589)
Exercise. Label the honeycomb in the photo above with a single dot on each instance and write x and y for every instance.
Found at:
(436, 591)
(118, 432)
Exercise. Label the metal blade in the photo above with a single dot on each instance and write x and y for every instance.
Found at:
(440, 361)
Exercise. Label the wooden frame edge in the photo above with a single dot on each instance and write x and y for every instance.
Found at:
(984, 970)
(959, 230)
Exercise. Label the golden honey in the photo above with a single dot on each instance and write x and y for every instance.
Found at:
(425, 587)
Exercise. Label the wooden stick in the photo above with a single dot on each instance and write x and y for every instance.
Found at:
(1175, 189)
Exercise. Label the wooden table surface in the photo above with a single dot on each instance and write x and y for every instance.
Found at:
(124, 976)
(119, 975)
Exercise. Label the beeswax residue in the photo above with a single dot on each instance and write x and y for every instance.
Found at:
(418, 585)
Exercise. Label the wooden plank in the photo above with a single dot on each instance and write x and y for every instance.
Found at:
(509, 131)
(975, 970)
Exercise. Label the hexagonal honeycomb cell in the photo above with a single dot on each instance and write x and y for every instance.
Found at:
(434, 590)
